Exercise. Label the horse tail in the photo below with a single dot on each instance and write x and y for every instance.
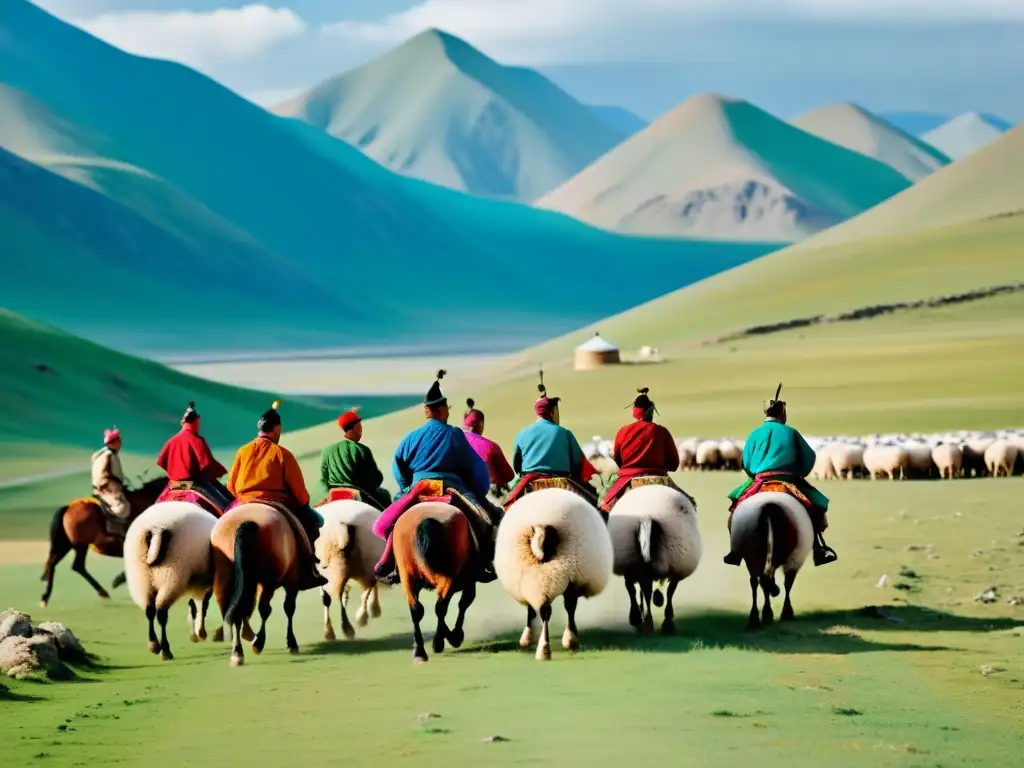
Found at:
(767, 531)
(433, 546)
(59, 542)
(243, 592)
(345, 538)
(544, 542)
(648, 539)
(159, 540)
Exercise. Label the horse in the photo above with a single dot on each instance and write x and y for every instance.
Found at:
(434, 549)
(82, 524)
(655, 538)
(254, 547)
(771, 530)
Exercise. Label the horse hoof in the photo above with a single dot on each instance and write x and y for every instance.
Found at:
(42, 603)
(570, 642)
(767, 620)
(455, 638)
(668, 628)
(293, 650)
(635, 619)
(167, 656)
(375, 611)
(329, 634)
(544, 653)
(237, 660)
(202, 634)
(218, 635)
(119, 580)
(348, 632)
(103, 594)
(787, 615)
(753, 624)
(194, 637)
(527, 640)
(154, 646)
(438, 644)
(362, 619)
(419, 657)
(247, 634)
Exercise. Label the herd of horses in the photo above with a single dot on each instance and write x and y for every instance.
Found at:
(241, 559)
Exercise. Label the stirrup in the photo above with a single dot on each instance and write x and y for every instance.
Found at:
(733, 559)
(824, 555)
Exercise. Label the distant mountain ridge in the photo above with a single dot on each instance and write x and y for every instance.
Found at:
(437, 109)
(966, 133)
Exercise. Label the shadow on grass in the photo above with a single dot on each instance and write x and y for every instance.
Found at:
(361, 646)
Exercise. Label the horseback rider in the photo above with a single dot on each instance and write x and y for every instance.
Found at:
(547, 449)
(776, 451)
(488, 450)
(350, 464)
(265, 471)
(437, 451)
(186, 458)
(642, 449)
(108, 483)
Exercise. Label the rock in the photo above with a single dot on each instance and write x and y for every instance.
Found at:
(24, 657)
(882, 581)
(1015, 600)
(987, 670)
(913, 548)
(68, 646)
(15, 624)
(426, 716)
(493, 739)
(932, 556)
(988, 596)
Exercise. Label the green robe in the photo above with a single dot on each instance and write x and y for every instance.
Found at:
(349, 464)
(777, 447)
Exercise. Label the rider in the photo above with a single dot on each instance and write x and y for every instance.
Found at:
(438, 451)
(776, 451)
(350, 464)
(187, 457)
(547, 449)
(108, 483)
(642, 448)
(264, 471)
(488, 450)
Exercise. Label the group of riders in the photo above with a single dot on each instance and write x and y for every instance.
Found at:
(439, 460)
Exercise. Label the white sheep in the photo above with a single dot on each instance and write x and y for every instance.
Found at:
(823, 469)
(920, 462)
(730, 454)
(948, 458)
(890, 460)
(655, 538)
(348, 550)
(551, 543)
(708, 454)
(847, 460)
(1001, 458)
(167, 555)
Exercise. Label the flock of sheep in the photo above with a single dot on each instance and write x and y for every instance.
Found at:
(949, 455)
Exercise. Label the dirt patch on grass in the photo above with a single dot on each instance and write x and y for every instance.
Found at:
(21, 552)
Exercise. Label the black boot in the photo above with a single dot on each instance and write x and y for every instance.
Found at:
(733, 559)
(387, 572)
(823, 553)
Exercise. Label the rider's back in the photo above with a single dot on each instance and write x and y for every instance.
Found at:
(264, 470)
(777, 447)
(545, 447)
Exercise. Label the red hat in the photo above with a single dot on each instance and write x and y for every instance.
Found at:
(349, 419)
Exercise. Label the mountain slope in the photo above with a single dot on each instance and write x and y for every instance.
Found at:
(437, 109)
(368, 239)
(722, 168)
(965, 134)
(620, 120)
(853, 127)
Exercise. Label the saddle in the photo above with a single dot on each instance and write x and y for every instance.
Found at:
(639, 482)
(187, 490)
(433, 489)
(300, 533)
(564, 483)
(114, 526)
(352, 494)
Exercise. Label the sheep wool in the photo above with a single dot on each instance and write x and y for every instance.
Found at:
(676, 553)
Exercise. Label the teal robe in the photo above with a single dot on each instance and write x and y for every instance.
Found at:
(349, 464)
(777, 447)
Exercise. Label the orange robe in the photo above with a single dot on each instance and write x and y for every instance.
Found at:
(264, 470)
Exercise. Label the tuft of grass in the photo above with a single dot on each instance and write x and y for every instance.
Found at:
(846, 712)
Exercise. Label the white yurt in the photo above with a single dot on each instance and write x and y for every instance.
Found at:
(596, 352)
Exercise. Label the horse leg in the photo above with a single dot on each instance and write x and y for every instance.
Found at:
(375, 600)
(290, 598)
(119, 580)
(544, 645)
(202, 615)
(441, 611)
(79, 567)
(265, 608)
(569, 639)
(193, 613)
(787, 607)
(58, 551)
(754, 620)
(363, 614)
(328, 626)
(247, 634)
(419, 653)
(346, 626)
(646, 589)
(222, 573)
(526, 639)
(635, 615)
(768, 588)
(237, 655)
(165, 647)
(457, 635)
(154, 643)
(668, 627)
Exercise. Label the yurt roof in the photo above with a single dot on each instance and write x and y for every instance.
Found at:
(597, 344)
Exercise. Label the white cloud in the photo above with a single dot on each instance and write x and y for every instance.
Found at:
(196, 38)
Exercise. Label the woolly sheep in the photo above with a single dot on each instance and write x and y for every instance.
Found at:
(889, 460)
(348, 550)
(822, 469)
(688, 458)
(730, 454)
(708, 455)
(847, 460)
(948, 458)
(1001, 458)
(551, 543)
(655, 538)
(919, 459)
(167, 555)
(973, 458)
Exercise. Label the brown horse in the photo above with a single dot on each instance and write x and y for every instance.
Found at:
(771, 530)
(82, 524)
(434, 550)
(254, 548)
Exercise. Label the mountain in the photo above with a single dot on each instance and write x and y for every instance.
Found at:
(207, 223)
(853, 127)
(719, 167)
(914, 123)
(622, 121)
(437, 109)
(965, 134)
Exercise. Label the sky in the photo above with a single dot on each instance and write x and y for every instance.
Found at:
(787, 56)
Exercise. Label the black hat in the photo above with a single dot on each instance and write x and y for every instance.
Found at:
(434, 396)
(269, 419)
(775, 402)
(191, 414)
(642, 401)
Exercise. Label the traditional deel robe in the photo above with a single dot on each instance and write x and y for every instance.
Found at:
(263, 470)
(186, 456)
(108, 481)
(349, 464)
(547, 448)
(497, 465)
(642, 448)
(775, 447)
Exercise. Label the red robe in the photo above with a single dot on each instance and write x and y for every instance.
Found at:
(641, 448)
(186, 456)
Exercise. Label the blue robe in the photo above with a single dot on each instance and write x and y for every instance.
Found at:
(439, 451)
(546, 447)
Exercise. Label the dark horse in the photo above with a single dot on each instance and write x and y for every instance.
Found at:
(82, 524)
